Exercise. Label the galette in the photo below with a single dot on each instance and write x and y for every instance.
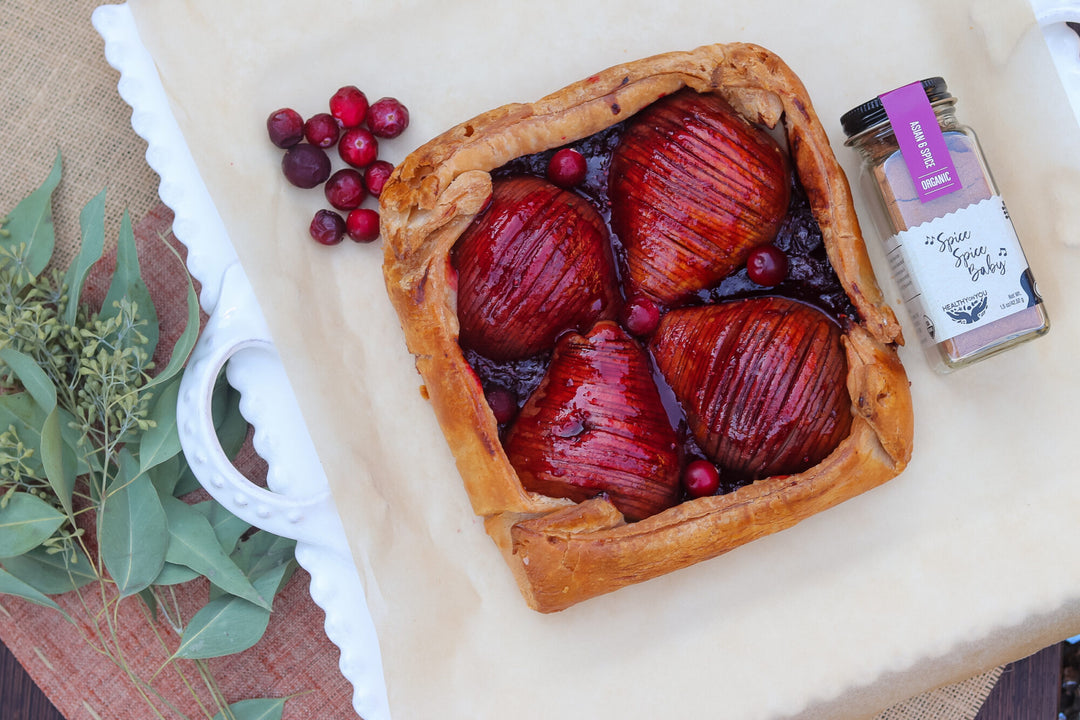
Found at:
(645, 318)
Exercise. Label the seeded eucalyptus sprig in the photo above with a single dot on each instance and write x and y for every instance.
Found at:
(89, 449)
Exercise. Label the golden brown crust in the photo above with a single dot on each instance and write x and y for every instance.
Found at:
(563, 553)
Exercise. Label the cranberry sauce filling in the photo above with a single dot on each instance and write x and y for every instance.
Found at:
(518, 377)
(810, 279)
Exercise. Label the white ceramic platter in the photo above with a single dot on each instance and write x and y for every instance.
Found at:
(296, 502)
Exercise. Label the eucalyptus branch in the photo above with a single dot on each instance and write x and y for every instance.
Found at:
(88, 446)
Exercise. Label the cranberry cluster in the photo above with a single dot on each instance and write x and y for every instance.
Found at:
(354, 126)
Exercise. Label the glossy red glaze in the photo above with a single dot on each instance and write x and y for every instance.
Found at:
(596, 424)
(694, 188)
(762, 381)
(538, 262)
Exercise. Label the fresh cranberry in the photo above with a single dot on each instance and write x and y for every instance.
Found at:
(345, 189)
(358, 147)
(640, 316)
(387, 117)
(767, 265)
(701, 478)
(567, 168)
(375, 176)
(285, 127)
(305, 165)
(327, 227)
(349, 105)
(322, 130)
(362, 224)
(503, 404)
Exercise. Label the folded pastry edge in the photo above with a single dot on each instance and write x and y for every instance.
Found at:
(563, 553)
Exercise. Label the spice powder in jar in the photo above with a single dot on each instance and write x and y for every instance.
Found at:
(951, 246)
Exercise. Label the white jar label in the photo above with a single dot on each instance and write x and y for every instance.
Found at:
(962, 271)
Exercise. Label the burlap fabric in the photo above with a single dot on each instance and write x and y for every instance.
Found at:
(57, 92)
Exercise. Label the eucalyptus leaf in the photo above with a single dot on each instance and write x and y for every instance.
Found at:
(145, 536)
(19, 410)
(127, 283)
(264, 551)
(219, 397)
(223, 626)
(166, 474)
(186, 482)
(26, 521)
(273, 580)
(255, 709)
(172, 574)
(11, 585)
(192, 543)
(162, 441)
(227, 527)
(150, 601)
(268, 560)
(73, 444)
(52, 573)
(230, 425)
(58, 461)
(92, 223)
(133, 529)
(186, 342)
(31, 222)
(32, 377)
(269, 580)
(231, 429)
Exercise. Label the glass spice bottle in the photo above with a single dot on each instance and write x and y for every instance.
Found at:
(951, 246)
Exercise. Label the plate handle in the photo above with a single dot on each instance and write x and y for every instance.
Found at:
(296, 502)
(1064, 42)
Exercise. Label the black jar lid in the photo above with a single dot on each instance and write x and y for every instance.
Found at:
(872, 112)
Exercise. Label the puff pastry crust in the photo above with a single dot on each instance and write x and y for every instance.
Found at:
(562, 553)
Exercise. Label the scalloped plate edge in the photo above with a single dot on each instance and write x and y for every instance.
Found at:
(335, 584)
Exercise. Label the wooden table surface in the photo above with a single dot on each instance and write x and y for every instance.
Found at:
(1028, 690)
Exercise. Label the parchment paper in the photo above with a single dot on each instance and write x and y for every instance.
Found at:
(952, 568)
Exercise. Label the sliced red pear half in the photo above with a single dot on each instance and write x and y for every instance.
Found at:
(536, 263)
(763, 382)
(597, 425)
(694, 188)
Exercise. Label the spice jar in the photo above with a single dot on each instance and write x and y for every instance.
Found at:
(951, 246)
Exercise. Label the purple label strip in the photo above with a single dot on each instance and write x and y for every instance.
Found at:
(921, 143)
